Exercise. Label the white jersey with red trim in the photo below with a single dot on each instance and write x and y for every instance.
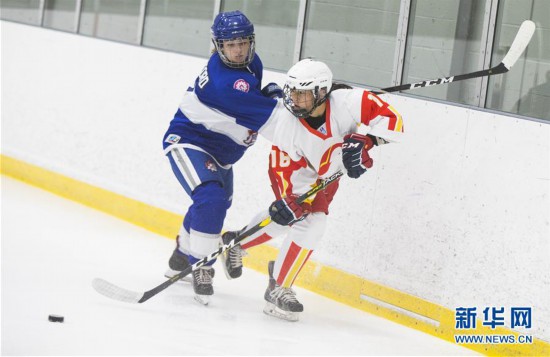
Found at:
(303, 155)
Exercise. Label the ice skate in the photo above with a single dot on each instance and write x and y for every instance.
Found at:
(232, 259)
(178, 262)
(281, 302)
(202, 284)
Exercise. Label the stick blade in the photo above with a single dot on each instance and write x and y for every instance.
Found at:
(526, 31)
(114, 292)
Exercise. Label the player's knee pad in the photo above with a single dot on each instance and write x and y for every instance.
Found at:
(209, 208)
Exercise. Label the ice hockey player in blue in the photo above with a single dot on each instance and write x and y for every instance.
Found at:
(217, 120)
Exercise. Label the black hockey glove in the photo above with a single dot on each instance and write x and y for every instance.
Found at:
(287, 211)
(272, 90)
(355, 154)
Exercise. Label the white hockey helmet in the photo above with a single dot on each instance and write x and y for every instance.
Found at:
(307, 74)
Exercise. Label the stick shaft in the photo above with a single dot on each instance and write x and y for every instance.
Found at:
(518, 46)
(115, 292)
(150, 293)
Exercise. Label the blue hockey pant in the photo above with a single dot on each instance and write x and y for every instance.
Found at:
(210, 186)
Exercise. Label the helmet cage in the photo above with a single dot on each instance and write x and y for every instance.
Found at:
(219, 43)
(302, 112)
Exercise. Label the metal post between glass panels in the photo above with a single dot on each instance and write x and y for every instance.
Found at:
(217, 8)
(302, 13)
(77, 11)
(400, 44)
(486, 48)
(41, 9)
(141, 21)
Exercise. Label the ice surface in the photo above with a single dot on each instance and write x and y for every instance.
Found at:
(52, 249)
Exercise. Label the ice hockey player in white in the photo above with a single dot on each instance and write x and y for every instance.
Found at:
(319, 139)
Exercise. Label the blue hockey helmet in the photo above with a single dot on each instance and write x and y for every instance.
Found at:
(233, 25)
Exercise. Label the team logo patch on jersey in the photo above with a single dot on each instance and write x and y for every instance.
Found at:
(242, 85)
(251, 138)
(210, 165)
(172, 139)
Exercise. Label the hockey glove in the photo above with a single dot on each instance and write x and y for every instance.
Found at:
(287, 211)
(355, 154)
(272, 90)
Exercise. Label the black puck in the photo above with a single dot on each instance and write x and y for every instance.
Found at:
(56, 318)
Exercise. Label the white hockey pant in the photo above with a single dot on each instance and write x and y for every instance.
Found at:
(300, 241)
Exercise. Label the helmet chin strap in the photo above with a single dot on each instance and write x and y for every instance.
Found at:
(316, 103)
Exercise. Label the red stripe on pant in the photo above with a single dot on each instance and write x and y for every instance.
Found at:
(299, 270)
(257, 241)
(291, 259)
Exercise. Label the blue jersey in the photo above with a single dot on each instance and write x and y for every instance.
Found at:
(223, 112)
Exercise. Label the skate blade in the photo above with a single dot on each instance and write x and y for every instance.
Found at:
(186, 279)
(272, 310)
(202, 299)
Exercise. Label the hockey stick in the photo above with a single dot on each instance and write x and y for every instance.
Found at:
(519, 44)
(117, 293)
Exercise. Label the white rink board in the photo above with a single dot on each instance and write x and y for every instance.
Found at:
(458, 214)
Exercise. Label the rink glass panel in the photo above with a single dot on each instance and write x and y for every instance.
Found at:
(444, 39)
(180, 26)
(526, 89)
(112, 20)
(357, 39)
(275, 27)
(27, 12)
(374, 43)
(60, 15)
